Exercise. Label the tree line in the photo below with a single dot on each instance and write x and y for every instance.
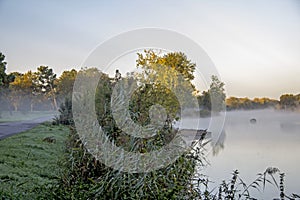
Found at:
(43, 90)
(34, 91)
(286, 102)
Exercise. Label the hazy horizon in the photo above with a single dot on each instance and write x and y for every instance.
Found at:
(255, 45)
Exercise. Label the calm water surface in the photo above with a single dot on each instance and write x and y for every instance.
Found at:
(273, 141)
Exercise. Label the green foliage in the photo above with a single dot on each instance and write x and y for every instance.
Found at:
(213, 99)
(3, 80)
(289, 101)
(166, 76)
(86, 178)
(44, 80)
(205, 100)
(39, 90)
(149, 95)
(43, 83)
(3, 75)
(64, 84)
(236, 188)
(234, 103)
(174, 60)
(20, 95)
(65, 116)
(217, 94)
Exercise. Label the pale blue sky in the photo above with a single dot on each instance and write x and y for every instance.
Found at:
(255, 44)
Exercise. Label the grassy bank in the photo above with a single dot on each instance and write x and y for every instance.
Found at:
(28, 162)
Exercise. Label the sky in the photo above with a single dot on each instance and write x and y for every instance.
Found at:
(255, 45)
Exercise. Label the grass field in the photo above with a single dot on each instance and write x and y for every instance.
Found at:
(19, 116)
(28, 163)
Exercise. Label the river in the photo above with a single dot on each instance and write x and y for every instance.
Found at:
(273, 141)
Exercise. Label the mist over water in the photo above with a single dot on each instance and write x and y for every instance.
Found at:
(273, 141)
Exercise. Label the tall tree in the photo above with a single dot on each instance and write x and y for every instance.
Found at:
(4, 83)
(65, 83)
(44, 83)
(214, 98)
(22, 91)
(174, 60)
(205, 100)
(217, 93)
(288, 101)
(3, 75)
(163, 75)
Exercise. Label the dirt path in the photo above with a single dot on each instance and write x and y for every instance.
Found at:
(10, 128)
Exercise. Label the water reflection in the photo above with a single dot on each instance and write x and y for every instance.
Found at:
(290, 127)
(219, 144)
(273, 141)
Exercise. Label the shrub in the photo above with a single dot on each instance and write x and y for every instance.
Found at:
(65, 113)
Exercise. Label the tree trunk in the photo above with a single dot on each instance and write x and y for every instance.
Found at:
(55, 103)
(15, 107)
(54, 98)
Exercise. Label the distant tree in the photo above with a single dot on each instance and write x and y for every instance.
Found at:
(65, 84)
(3, 75)
(262, 103)
(217, 93)
(214, 98)
(205, 100)
(288, 101)
(43, 84)
(5, 79)
(22, 91)
(234, 103)
(298, 98)
(15, 94)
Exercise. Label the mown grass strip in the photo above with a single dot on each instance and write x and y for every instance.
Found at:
(28, 161)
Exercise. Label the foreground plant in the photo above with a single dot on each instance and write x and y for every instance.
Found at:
(236, 188)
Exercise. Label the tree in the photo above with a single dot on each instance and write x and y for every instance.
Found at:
(205, 100)
(288, 101)
(3, 76)
(234, 103)
(65, 83)
(174, 178)
(4, 83)
(174, 60)
(44, 83)
(22, 91)
(163, 75)
(214, 98)
(217, 93)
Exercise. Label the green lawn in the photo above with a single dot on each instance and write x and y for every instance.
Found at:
(19, 116)
(27, 162)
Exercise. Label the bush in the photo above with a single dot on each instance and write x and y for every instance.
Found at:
(86, 178)
(65, 113)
